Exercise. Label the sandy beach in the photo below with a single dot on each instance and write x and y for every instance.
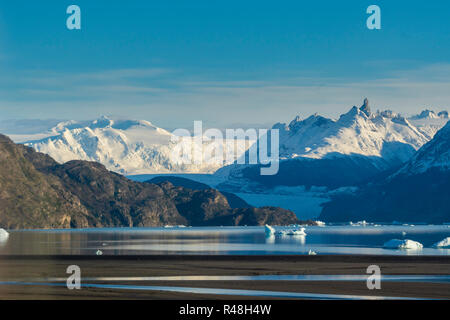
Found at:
(47, 268)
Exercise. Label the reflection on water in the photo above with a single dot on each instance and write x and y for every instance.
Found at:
(217, 291)
(277, 277)
(223, 240)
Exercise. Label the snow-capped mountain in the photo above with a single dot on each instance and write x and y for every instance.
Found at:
(425, 114)
(428, 122)
(434, 154)
(417, 192)
(385, 135)
(319, 151)
(443, 114)
(124, 146)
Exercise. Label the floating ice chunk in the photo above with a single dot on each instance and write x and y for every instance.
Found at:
(403, 244)
(311, 253)
(403, 233)
(359, 223)
(99, 252)
(4, 235)
(293, 232)
(320, 223)
(270, 231)
(445, 243)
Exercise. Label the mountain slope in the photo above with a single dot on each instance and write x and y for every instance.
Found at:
(233, 200)
(38, 192)
(418, 192)
(28, 198)
(435, 154)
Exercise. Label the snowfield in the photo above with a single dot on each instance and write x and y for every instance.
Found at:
(126, 147)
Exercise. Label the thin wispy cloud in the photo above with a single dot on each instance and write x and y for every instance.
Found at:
(169, 97)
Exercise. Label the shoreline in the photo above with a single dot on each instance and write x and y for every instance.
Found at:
(238, 257)
(27, 268)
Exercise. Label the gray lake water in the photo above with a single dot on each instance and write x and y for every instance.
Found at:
(343, 239)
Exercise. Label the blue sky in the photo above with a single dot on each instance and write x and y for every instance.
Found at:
(227, 63)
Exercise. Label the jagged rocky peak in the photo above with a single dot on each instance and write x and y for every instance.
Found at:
(389, 114)
(366, 108)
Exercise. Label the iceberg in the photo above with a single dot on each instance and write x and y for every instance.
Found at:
(312, 253)
(270, 231)
(293, 232)
(443, 244)
(359, 223)
(3, 235)
(403, 244)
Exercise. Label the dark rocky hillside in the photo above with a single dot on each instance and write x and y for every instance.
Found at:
(233, 200)
(37, 192)
(31, 199)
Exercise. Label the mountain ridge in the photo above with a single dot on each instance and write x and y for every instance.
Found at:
(319, 151)
(418, 192)
(38, 192)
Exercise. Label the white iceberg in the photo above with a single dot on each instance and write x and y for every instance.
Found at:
(362, 223)
(293, 232)
(320, 223)
(311, 253)
(403, 244)
(4, 235)
(270, 231)
(443, 244)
